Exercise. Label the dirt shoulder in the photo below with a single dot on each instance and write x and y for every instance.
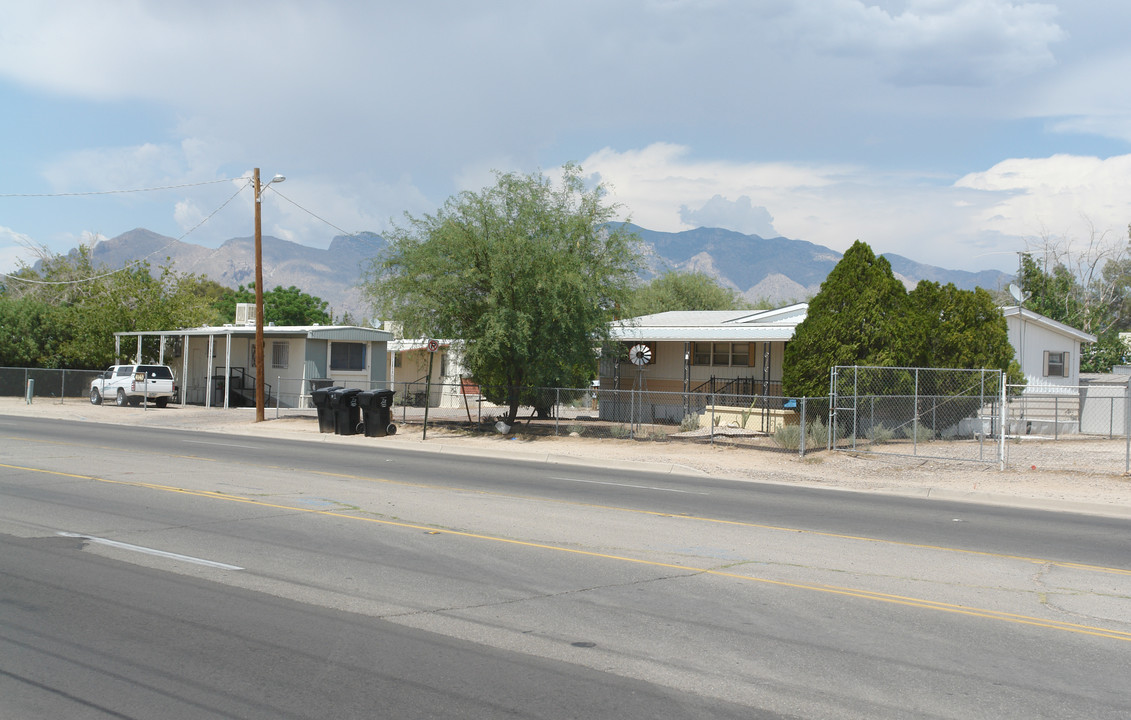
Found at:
(1061, 476)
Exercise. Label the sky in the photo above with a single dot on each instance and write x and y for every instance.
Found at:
(954, 132)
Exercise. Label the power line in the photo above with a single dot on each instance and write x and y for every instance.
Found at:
(139, 260)
(113, 192)
(313, 215)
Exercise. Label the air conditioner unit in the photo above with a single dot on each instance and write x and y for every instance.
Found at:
(245, 313)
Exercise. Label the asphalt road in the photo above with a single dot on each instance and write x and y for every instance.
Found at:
(150, 573)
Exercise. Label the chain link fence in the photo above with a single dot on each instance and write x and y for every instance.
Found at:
(39, 383)
(941, 413)
(928, 413)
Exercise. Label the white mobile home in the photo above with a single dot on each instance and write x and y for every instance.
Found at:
(215, 366)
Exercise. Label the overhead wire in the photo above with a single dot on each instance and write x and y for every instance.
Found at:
(112, 192)
(140, 260)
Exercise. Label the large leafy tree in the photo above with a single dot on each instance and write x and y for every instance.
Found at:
(857, 318)
(527, 274)
(64, 313)
(951, 328)
(282, 306)
(684, 291)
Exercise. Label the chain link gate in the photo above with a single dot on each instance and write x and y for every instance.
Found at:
(941, 413)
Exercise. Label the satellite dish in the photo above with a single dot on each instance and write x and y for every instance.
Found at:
(640, 354)
(1016, 293)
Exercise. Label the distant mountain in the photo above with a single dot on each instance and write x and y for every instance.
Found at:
(331, 274)
(778, 270)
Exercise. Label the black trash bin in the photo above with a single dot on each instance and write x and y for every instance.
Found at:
(377, 409)
(347, 415)
(321, 399)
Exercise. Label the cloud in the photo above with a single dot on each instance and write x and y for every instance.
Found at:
(1062, 195)
(938, 42)
(973, 222)
(15, 247)
(738, 215)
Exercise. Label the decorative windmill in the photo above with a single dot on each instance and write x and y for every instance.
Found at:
(640, 355)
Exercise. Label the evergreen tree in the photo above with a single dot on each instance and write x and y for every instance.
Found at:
(857, 318)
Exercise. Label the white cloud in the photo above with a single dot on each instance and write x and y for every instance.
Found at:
(1059, 195)
(976, 222)
(15, 247)
(739, 215)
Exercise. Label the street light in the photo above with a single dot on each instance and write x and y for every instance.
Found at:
(259, 370)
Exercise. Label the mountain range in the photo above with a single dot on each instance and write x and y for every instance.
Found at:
(778, 270)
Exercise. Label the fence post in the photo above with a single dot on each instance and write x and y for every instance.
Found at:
(63, 386)
(801, 424)
(714, 400)
(1001, 428)
(1127, 428)
(557, 408)
(915, 418)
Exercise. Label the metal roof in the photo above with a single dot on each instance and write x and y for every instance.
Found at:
(709, 325)
(1038, 319)
(313, 332)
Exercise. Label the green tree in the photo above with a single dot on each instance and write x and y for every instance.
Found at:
(282, 306)
(526, 274)
(1089, 290)
(70, 309)
(857, 318)
(951, 328)
(684, 291)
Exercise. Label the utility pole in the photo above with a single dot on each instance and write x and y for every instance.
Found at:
(259, 399)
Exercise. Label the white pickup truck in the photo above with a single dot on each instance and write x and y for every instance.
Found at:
(134, 384)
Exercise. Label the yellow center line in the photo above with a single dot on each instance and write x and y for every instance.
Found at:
(921, 603)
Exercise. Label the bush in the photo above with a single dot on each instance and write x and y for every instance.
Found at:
(689, 423)
(620, 431)
(788, 437)
(878, 434)
(817, 434)
(920, 433)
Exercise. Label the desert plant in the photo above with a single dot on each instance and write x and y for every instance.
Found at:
(919, 432)
(878, 434)
(788, 437)
(690, 422)
(620, 431)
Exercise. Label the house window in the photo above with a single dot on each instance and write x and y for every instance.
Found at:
(1056, 364)
(397, 362)
(280, 352)
(347, 356)
(721, 354)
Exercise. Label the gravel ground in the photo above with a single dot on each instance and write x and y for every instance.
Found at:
(1081, 475)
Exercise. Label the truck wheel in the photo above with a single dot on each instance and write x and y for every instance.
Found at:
(95, 397)
(161, 402)
(120, 399)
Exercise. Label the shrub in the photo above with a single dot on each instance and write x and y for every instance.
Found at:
(620, 431)
(788, 437)
(690, 422)
(878, 434)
